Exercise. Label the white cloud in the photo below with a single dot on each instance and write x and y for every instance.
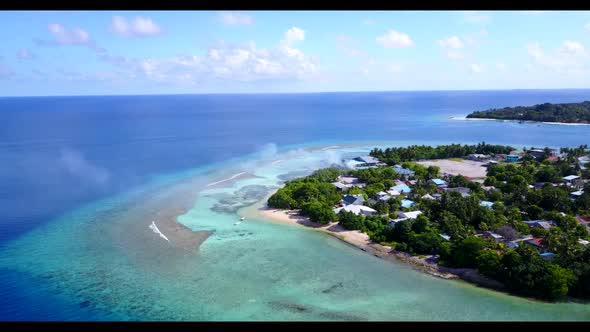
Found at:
(137, 27)
(369, 22)
(293, 35)
(476, 68)
(476, 17)
(24, 54)
(394, 67)
(244, 63)
(573, 47)
(5, 72)
(455, 55)
(569, 58)
(235, 19)
(394, 38)
(451, 42)
(346, 45)
(63, 36)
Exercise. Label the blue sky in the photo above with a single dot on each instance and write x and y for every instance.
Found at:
(150, 52)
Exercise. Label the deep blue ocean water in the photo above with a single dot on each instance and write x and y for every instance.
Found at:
(57, 153)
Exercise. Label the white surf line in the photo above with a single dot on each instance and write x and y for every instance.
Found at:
(331, 147)
(224, 180)
(155, 229)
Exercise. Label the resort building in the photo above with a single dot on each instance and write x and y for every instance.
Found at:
(487, 204)
(495, 236)
(406, 203)
(357, 209)
(546, 224)
(402, 188)
(464, 191)
(353, 199)
(478, 157)
(409, 215)
(439, 183)
(512, 158)
(341, 186)
(445, 236)
(405, 172)
(576, 194)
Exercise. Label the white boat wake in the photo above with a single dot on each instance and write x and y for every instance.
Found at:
(155, 229)
(224, 180)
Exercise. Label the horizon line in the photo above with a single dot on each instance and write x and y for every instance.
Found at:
(286, 93)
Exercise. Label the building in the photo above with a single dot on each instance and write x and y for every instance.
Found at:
(353, 199)
(464, 191)
(512, 158)
(406, 203)
(537, 243)
(445, 236)
(341, 186)
(439, 183)
(392, 192)
(427, 196)
(366, 162)
(487, 204)
(576, 194)
(495, 236)
(357, 209)
(348, 180)
(405, 172)
(536, 153)
(402, 188)
(570, 178)
(409, 215)
(546, 224)
(583, 242)
(478, 157)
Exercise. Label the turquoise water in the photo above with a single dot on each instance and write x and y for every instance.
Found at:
(92, 262)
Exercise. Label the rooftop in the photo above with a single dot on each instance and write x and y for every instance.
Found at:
(439, 182)
(406, 203)
(570, 177)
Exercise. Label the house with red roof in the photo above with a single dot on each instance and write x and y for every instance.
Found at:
(538, 243)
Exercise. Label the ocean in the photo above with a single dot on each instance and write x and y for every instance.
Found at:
(82, 177)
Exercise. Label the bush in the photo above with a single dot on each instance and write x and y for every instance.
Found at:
(318, 212)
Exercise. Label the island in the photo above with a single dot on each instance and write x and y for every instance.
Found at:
(547, 112)
(518, 222)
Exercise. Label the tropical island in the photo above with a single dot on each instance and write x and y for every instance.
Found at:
(562, 113)
(521, 224)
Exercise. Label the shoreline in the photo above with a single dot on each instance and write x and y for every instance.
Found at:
(361, 241)
(525, 121)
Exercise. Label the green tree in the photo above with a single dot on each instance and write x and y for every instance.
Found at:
(488, 263)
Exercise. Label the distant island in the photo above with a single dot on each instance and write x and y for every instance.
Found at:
(513, 220)
(563, 113)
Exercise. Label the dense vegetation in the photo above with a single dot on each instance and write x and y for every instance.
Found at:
(569, 113)
(393, 156)
(522, 269)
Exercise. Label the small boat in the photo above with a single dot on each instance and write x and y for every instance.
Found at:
(237, 223)
(242, 219)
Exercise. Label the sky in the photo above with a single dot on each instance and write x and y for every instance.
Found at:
(178, 52)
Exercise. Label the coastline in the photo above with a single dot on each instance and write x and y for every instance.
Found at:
(361, 241)
(525, 121)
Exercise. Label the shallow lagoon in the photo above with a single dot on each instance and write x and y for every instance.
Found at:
(257, 270)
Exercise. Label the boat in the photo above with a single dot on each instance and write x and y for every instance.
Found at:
(242, 219)
(237, 223)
